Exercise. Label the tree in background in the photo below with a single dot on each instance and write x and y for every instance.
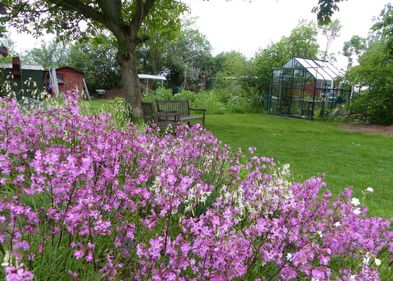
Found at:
(96, 57)
(3, 49)
(354, 47)
(233, 66)
(188, 60)
(302, 42)
(375, 72)
(331, 31)
(52, 54)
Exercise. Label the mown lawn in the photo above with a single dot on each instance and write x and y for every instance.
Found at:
(312, 148)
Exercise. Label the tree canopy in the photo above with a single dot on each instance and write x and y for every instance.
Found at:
(375, 70)
(302, 42)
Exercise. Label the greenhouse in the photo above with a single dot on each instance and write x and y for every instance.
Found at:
(306, 88)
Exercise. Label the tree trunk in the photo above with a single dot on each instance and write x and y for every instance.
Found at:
(130, 81)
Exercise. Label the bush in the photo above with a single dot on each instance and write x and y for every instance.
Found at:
(375, 106)
(82, 200)
(216, 101)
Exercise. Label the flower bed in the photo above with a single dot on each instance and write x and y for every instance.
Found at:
(82, 200)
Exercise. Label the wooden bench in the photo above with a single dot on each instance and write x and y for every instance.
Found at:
(161, 119)
(183, 108)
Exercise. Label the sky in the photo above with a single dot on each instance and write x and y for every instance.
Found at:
(249, 25)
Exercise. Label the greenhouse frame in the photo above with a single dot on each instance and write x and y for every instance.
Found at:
(305, 88)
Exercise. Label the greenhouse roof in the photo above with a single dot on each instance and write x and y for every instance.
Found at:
(321, 70)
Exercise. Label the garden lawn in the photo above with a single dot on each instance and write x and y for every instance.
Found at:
(312, 148)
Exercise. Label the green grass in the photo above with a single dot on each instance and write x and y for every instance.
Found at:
(313, 148)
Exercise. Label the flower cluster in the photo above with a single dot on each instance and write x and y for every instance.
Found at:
(82, 199)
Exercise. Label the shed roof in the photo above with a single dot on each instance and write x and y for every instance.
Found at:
(321, 70)
(152, 77)
(23, 66)
(70, 68)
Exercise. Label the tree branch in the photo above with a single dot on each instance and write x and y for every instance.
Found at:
(112, 8)
(84, 9)
(141, 11)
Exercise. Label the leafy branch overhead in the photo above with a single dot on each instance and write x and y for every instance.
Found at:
(325, 10)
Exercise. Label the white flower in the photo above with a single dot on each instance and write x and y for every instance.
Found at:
(337, 224)
(370, 189)
(377, 262)
(366, 259)
(352, 277)
(289, 256)
(355, 201)
(320, 233)
(7, 259)
(357, 211)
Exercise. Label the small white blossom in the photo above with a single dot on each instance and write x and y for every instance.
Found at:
(377, 262)
(7, 259)
(320, 233)
(355, 201)
(366, 259)
(370, 189)
(289, 256)
(337, 224)
(357, 211)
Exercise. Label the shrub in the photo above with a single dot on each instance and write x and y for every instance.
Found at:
(82, 200)
(375, 106)
(216, 101)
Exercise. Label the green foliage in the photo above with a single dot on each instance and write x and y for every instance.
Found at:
(383, 28)
(325, 10)
(188, 60)
(153, 52)
(302, 42)
(354, 47)
(232, 68)
(215, 101)
(6, 46)
(331, 31)
(375, 72)
(96, 57)
(53, 54)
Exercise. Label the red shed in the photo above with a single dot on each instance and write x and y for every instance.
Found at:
(69, 79)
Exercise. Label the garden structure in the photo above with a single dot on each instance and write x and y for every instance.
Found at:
(69, 79)
(306, 87)
(21, 74)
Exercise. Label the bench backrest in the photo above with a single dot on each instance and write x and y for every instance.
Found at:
(181, 106)
(148, 111)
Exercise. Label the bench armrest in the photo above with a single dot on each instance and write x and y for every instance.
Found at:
(203, 113)
(198, 109)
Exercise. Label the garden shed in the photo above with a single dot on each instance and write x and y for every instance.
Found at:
(69, 79)
(20, 74)
(306, 87)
